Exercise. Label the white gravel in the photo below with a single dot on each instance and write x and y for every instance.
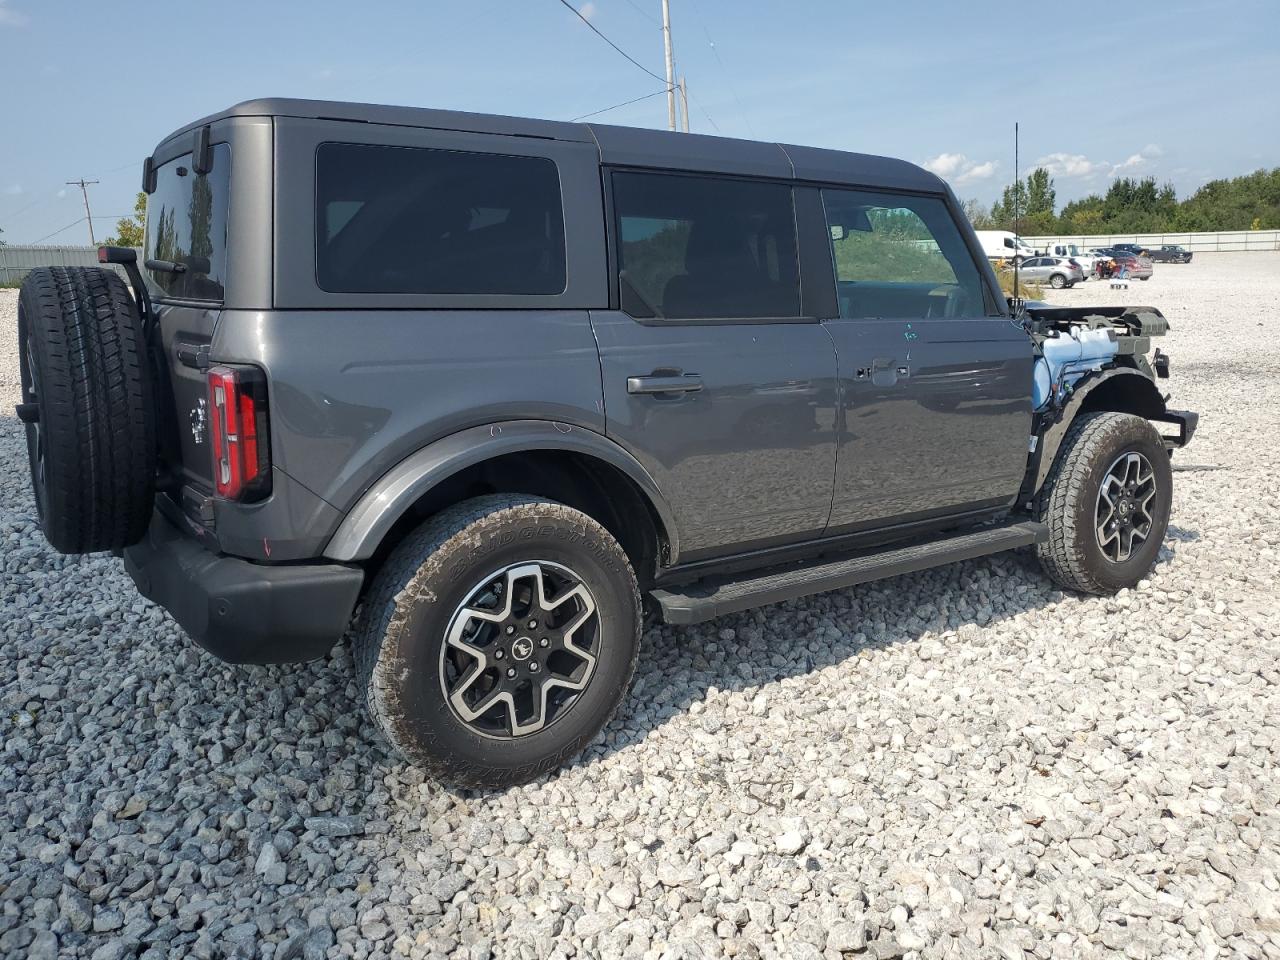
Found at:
(965, 762)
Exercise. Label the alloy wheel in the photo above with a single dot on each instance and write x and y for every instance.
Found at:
(520, 649)
(1122, 516)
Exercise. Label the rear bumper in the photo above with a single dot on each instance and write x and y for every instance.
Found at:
(240, 611)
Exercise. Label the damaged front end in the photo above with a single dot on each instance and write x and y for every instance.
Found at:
(1092, 359)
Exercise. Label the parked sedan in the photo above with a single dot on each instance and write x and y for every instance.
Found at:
(1058, 272)
(1168, 254)
(1130, 265)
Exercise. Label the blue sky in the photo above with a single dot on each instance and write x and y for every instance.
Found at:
(1183, 91)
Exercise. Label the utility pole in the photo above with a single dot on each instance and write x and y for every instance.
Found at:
(671, 65)
(684, 102)
(83, 184)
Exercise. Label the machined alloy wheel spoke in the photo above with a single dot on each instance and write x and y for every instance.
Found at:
(519, 649)
(1122, 517)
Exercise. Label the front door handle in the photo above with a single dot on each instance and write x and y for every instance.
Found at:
(665, 383)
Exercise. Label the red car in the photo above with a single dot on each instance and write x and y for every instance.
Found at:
(1133, 266)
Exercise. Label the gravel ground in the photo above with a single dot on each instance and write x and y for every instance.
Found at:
(965, 762)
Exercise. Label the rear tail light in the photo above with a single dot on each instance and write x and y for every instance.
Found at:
(239, 433)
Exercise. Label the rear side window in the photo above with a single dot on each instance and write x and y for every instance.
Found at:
(187, 226)
(415, 220)
(705, 248)
(900, 256)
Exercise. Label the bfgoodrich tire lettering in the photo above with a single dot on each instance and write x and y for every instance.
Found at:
(414, 601)
(91, 433)
(1073, 555)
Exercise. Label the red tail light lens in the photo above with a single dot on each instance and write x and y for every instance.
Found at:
(238, 430)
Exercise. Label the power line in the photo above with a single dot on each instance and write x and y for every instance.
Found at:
(699, 105)
(574, 10)
(74, 224)
(616, 106)
(644, 13)
(725, 70)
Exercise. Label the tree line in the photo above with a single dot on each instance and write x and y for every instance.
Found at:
(1249, 202)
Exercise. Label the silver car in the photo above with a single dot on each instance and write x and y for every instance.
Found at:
(1058, 272)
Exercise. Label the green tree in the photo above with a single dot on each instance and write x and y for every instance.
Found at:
(130, 230)
(1040, 193)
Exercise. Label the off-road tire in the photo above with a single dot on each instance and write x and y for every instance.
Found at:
(84, 370)
(413, 598)
(1072, 555)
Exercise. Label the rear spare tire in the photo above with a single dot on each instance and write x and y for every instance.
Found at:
(88, 409)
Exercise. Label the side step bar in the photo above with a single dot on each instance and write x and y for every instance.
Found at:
(714, 597)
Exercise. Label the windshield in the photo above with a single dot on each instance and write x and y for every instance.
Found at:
(187, 226)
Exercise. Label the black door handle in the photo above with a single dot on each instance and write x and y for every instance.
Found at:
(665, 383)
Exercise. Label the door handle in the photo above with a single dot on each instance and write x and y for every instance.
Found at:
(665, 383)
(883, 373)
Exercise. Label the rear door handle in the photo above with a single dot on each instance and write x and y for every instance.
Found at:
(670, 383)
(883, 373)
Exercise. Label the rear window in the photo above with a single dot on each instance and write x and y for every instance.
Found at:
(692, 247)
(419, 220)
(187, 226)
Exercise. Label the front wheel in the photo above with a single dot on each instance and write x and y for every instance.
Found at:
(1106, 502)
(498, 639)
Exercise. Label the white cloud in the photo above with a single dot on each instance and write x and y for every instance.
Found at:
(959, 168)
(945, 164)
(62, 193)
(1072, 165)
(10, 17)
(588, 10)
(978, 171)
(1140, 159)
(13, 190)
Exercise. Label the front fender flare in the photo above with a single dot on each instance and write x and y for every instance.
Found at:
(377, 510)
(1145, 400)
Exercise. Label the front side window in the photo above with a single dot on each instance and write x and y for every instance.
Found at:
(418, 220)
(899, 256)
(693, 247)
(187, 228)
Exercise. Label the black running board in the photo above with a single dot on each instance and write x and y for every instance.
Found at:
(714, 597)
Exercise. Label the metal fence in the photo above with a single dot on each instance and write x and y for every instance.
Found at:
(16, 262)
(1228, 241)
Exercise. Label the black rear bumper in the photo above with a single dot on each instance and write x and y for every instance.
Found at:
(240, 611)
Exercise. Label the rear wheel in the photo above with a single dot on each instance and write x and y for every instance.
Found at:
(87, 407)
(1057, 281)
(499, 639)
(1106, 502)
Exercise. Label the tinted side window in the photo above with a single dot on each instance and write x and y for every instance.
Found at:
(415, 220)
(705, 248)
(900, 256)
(187, 225)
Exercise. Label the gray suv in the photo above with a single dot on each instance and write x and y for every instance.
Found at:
(488, 391)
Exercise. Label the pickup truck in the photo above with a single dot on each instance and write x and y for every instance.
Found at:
(1169, 254)
(499, 390)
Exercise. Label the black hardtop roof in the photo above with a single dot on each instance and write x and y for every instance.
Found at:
(626, 146)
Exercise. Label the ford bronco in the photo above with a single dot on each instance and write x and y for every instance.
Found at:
(497, 388)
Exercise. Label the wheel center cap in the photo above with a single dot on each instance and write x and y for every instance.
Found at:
(1125, 507)
(522, 649)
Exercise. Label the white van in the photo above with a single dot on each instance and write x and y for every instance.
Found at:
(1003, 245)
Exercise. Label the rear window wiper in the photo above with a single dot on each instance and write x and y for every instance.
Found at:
(166, 266)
